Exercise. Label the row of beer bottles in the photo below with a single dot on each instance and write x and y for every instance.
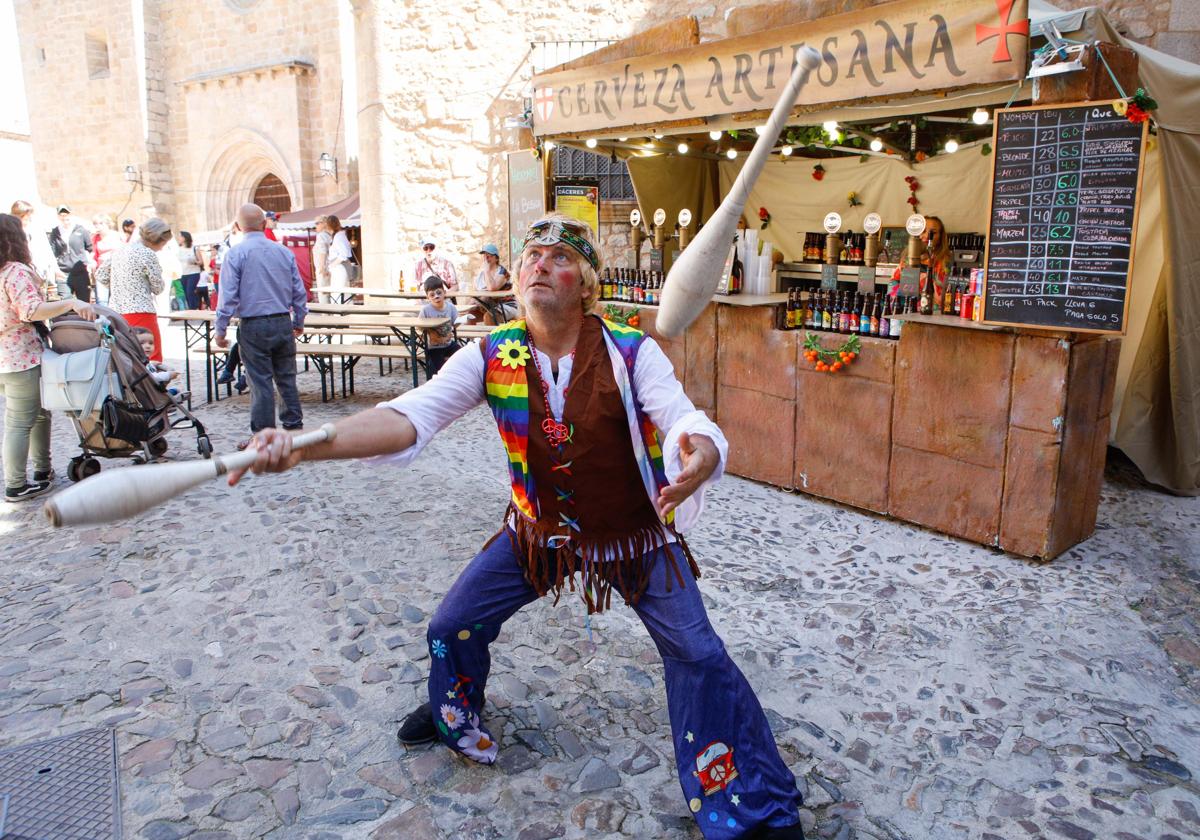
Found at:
(631, 285)
(846, 312)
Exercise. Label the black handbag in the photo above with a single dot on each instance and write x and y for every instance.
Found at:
(124, 421)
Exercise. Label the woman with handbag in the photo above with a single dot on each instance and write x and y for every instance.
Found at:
(134, 276)
(343, 271)
(26, 424)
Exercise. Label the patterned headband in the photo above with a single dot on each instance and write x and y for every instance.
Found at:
(554, 231)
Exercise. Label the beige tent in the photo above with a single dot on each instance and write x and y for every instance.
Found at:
(1158, 381)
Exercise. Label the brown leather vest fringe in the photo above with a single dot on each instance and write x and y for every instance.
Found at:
(603, 492)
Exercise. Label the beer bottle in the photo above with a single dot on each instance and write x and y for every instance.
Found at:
(926, 300)
(854, 318)
(789, 318)
(807, 298)
(827, 311)
(885, 324)
(958, 296)
(948, 297)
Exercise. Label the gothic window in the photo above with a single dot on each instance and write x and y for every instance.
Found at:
(271, 194)
(95, 48)
(613, 175)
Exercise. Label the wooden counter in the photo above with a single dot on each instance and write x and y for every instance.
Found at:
(991, 434)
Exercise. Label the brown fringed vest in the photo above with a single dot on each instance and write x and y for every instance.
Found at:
(590, 490)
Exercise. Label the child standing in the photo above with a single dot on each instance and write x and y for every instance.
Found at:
(439, 341)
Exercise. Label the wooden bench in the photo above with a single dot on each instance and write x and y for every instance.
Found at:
(323, 354)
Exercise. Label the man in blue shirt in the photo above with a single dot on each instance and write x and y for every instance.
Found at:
(261, 285)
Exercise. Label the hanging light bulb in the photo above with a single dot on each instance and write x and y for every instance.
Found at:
(731, 154)
(649, 144)
(682, 148)
(759, 129)
(590, 142)
(714, 135)
(951, 146)
(622, 139)
(786, 151)
(876, 145)
(549, 145)
(980, 117)
(831, 127)
(658, 136)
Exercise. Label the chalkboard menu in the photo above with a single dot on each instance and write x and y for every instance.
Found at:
(526, 199)
(1064, 211)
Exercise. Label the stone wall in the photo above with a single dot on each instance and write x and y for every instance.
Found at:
(203, 98)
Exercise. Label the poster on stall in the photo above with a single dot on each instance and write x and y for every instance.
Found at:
(579, 200)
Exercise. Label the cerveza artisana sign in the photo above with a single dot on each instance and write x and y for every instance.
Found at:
(894, 49)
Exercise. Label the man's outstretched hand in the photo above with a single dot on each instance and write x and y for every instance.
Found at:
(700, 458)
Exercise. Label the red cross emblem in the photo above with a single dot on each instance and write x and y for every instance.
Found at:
(544, 102)
(1001, 32)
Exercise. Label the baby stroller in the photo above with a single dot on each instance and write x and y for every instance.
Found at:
(95, 371)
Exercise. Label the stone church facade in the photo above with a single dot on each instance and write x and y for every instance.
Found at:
(213, 102)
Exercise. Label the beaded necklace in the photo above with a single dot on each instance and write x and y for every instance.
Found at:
(555, 430)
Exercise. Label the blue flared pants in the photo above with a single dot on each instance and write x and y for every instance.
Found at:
(732, 776)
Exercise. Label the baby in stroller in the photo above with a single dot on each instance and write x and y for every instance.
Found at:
(161, 373)
(98, 373)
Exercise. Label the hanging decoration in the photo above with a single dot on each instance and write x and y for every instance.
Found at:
(818, 172)
(853, 198)
(1136, 108)
(764, 216)
(618, 315)
(831, 361)
(913, 186)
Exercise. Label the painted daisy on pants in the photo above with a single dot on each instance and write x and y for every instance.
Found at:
(476, 743)
(452, 717)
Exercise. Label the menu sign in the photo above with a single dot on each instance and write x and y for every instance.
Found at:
(1064, 212)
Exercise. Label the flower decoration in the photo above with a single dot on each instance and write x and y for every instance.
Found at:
(913, 186)
(985, 149)
(818, 172)
(513, 354)
(438, 648)
(764, 216)
(451, 716)
(921, 156)
(853, 198)
(1144, 101)
(1120, 105)
(1135, 114)
(628, 317)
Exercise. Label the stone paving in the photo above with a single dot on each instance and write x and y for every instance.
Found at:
(256, 648)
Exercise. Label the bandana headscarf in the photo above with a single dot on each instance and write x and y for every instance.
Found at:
(554, 231)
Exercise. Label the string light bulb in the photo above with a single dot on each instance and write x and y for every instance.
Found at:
(682, 148)
(876, 145)
(658, 137)
(786, 151)
(622, 139)
(549, 145)
(831, 127)
(731, 154)
(714, 135)
(951, 146)
(590, 142)
(980, 117)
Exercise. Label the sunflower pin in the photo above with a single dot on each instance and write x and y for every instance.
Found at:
(513, 354)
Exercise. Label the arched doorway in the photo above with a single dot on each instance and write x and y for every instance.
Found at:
(271, 194)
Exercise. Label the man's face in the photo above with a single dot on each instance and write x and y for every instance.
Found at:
(550, 278)
(436, 296)
(428, 249)
(64, 218)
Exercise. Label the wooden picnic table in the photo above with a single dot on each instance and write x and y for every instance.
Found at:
(409, 329)
(399, 307)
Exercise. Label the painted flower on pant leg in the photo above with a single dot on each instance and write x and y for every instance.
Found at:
(438, 648)
(476, 743)
(452, 717)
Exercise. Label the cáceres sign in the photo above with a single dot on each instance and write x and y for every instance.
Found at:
(897, 48)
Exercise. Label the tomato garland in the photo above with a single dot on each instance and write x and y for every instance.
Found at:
(842, 357)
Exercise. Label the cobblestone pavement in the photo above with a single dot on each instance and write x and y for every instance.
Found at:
(256, 648)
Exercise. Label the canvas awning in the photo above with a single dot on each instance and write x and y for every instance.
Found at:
(347, 211)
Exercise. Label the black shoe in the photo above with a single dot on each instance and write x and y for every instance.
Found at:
(791, 832)
(241, 386)
(29, 491)
(225, 378)
(293, 428)
(418, 727)
(44, 475)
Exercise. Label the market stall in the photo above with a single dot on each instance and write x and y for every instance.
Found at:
(992, 431)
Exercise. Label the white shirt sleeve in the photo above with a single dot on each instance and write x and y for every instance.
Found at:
(662, 399)
(455, 390)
